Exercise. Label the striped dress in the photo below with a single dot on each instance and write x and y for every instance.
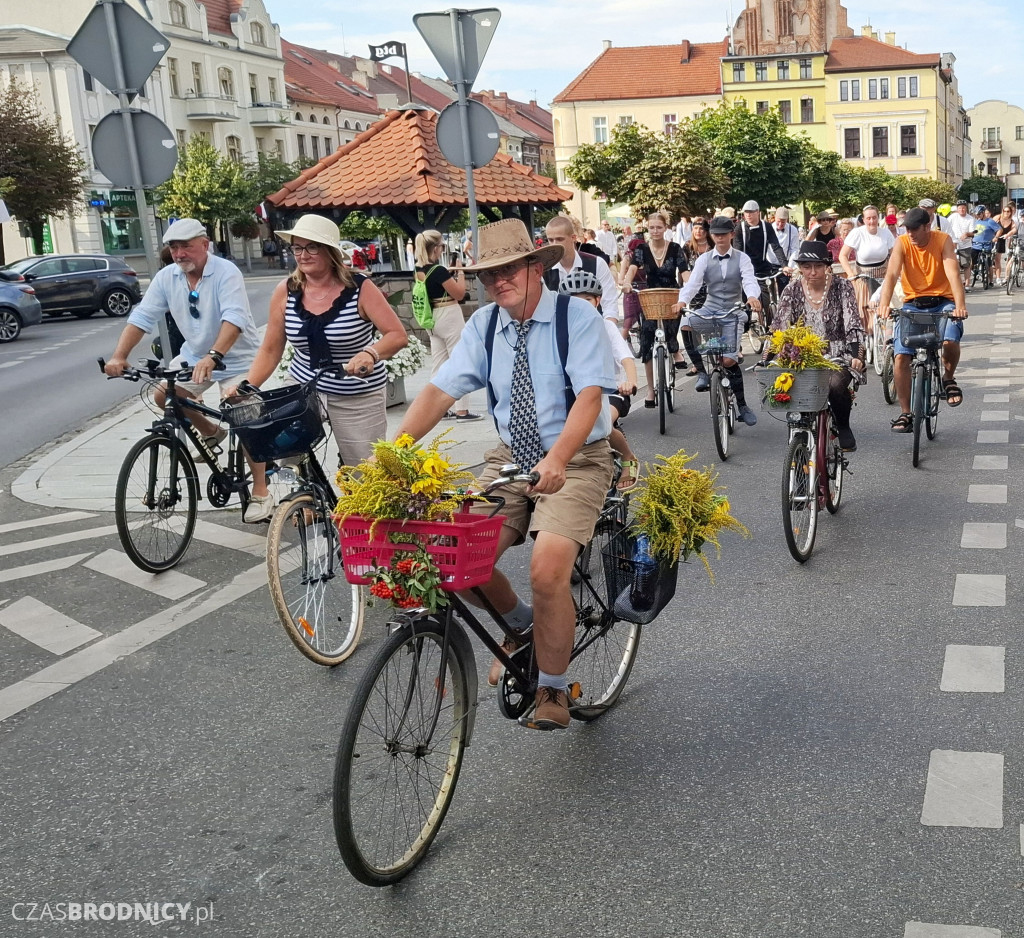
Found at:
(347, 334)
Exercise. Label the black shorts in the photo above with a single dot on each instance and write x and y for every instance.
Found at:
(621, 403)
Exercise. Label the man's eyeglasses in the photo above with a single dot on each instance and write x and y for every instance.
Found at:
(312, 249)
(193, 303)
(505, 272)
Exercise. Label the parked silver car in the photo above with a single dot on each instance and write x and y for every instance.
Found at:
(19, 307)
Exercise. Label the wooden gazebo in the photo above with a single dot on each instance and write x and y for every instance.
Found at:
(396, 168)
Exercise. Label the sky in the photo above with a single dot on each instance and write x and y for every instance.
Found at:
(539, 48)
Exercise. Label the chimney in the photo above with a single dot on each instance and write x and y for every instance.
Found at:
(890, 39)
(366, 66)
(335, 64)
(865, 31)
(607, 43)
(684, 53)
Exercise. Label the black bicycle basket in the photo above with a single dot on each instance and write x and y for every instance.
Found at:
(638, 595)
(279, 423)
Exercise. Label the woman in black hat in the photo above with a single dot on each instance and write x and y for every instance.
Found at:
(827, 305)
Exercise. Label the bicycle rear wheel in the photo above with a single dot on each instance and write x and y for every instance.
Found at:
(720, 414)
(835, 465)
(322, 613)
(603, 649)
(934, 396)
(918, 403)
(397, 767)
(155, 503)
(1011, 274)
(799, 499)
(661, 377)
(889, 375)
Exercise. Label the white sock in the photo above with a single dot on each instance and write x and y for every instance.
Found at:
(520, 618)
(557, 681)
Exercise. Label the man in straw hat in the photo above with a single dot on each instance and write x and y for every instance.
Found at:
(552, 418)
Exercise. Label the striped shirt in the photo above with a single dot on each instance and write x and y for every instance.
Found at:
(347, 334)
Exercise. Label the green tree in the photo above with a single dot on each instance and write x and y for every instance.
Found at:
(605, 168)
(42, 170)
(206, 185)
(933, 189)
(825, 179)
(990, 190)
(757, 153)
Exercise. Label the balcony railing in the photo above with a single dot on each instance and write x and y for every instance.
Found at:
(991, 146)
(268, 115)
(211, 107)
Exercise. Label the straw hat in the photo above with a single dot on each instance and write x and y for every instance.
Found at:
(313, 228)
(507, 241)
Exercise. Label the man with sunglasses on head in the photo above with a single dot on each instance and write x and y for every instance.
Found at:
(205, 296)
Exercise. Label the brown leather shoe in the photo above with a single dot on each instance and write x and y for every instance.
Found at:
(494, 675)
(551, 710)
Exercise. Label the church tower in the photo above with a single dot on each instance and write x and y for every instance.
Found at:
(769, 27)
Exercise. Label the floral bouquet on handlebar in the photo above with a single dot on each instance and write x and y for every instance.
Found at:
(795, 349)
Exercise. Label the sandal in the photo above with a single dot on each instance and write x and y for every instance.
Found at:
(630, 475)
(693, 371)
(904, 423)
(950, 387)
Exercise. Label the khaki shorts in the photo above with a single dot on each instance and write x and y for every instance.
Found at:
(572, 511)
(197, 390)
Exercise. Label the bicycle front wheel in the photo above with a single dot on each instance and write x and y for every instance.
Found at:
(879, 346)
(931, 424)
(155, 503)
(918, 403)
(603, 649)
(720, 414)
(661, 376)
(400, 753)
(800, 499)
(322, 613)
(1011, 274)
(889, 375)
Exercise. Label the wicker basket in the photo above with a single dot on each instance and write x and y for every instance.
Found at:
(657, 303)
(809, 393)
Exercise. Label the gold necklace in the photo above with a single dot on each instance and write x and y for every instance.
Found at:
(318, 296)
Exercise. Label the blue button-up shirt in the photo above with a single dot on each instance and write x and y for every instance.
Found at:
(589, 364)
(222, 298)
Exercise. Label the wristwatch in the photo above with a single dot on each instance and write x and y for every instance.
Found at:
(218, 357)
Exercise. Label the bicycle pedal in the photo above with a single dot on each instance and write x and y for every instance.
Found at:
(575, 691)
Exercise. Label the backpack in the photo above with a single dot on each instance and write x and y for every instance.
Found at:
(422, 309)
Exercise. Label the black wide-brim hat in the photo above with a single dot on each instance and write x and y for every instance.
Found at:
(813, 252)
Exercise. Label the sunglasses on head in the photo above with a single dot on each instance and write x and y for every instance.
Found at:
(193, 303)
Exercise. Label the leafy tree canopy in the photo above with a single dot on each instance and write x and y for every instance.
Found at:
(206, 185)
(990, 189)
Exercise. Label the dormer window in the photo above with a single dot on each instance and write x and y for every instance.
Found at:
(257, 34)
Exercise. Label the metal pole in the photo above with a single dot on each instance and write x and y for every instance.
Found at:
(460, 87)
(133, 157)
(408, 77)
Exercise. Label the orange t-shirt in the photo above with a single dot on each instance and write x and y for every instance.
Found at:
(923, 273)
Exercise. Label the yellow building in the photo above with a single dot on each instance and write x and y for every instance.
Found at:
(897, 110)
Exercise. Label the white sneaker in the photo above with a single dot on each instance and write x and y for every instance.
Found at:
(260, 508)
(216, 438)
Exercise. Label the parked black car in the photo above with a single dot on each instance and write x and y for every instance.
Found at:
(80, 284)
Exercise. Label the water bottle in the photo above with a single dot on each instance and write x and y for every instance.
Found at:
(645, 575)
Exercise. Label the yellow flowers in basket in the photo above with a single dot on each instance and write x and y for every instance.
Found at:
(796, 348)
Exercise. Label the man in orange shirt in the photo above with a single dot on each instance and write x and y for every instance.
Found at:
(927, 263)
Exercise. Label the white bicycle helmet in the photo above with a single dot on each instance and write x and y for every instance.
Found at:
(580, 282)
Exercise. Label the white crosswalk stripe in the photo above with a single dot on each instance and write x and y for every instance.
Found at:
(171, 584)
(46, 627)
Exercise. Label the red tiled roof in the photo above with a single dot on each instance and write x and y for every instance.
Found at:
(313, 80)
(218, 15)
(863, 52)
(397, 162)
(649, 72)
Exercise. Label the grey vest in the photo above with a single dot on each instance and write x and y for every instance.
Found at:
(723, 294)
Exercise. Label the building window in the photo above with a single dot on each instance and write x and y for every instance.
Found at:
(172, 77)
(177, 13)
(901, 87)
(316, 146)
(234, 148)
(872, 89)
(182, 136)
(670, 122)
(761, 71)
(844, 91)
(805, 68)
(272, 90)
(851, 140)
(993, 166)
(625, 120)
(298, 116)
(761, 107)
(279, 146)
(782, 70)
(328, 145)
(254, 89)
(883, 89)
(739, 71)
(301, 138)
(226, 80)
(87, 81)
(880, 141)
(786, 111)
(855, 89)
(197, 78)
(990, 135)
(913, 86)
(1014, 164)
(600, 130)
(807, 110)
(908, 140)
(258, 34)
(1019, 134)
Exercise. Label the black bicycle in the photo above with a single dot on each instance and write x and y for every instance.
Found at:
(156, 498)
(761, 324)
(412, 714)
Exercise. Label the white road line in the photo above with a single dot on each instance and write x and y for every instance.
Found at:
(230, 537)
(983, 536)
(96, 657)
(986, 495)
(58, 540)
(19, 361)
(974, 669)
(997, 399)
(997, 382)
(993, 436)
(49, 519)
(928, 930)
(979, 589)
(964, 789)
(45, 566)
(170, 584)
(993, 415)
(45, 627)
(991, 462)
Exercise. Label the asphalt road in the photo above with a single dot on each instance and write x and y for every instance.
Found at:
(764, 774)
(50, 384)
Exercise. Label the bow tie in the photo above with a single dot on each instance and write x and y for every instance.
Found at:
(723, 257)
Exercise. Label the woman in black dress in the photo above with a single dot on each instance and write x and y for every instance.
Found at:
(664, 264)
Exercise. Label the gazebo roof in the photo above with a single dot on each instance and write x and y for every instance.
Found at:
(396, 163)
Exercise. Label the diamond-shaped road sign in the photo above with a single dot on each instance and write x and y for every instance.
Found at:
(142, 47)
(478, 27)
(154, 142)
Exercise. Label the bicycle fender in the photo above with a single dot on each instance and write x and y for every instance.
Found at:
(460, 641)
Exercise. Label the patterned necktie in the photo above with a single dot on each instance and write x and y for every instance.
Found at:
(527, 450)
